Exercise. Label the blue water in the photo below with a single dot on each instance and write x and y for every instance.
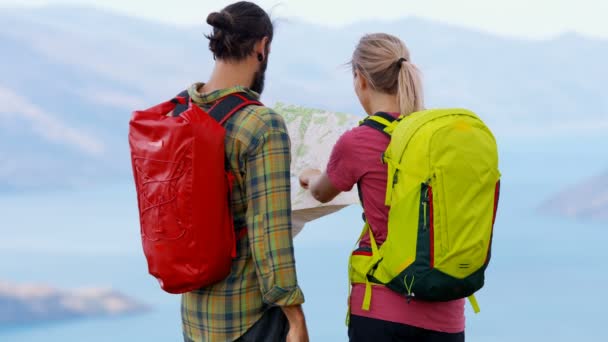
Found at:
(546, 282)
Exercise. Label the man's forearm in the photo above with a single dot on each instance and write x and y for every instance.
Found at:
(295, 314)
(298, 332)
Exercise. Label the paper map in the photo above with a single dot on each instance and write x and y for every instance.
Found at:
(313, 134)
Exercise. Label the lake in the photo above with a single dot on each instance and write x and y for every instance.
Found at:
(546, 281)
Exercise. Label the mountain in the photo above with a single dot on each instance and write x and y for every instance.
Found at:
(71, 76)
(587, 200)
(21, 304)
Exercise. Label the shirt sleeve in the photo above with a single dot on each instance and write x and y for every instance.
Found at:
(268, 190)
(343, 168)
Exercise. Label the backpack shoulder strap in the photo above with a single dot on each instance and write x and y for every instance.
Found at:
(223, 108)
(380, 122)
(229, 105)
(179, 108)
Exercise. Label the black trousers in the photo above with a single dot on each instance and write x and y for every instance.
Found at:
(363, 329)
(272, 327)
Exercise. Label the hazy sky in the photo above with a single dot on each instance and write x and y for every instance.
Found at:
(522, 18)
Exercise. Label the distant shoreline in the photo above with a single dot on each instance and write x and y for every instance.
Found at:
(27, 305)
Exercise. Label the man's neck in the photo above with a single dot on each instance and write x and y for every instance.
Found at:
(229, 75)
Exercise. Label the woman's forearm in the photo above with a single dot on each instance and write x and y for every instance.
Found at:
(322, 189)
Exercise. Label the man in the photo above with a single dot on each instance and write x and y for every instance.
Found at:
(260, 300)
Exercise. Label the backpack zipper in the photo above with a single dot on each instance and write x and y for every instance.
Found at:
(425, 207)
(424, 204)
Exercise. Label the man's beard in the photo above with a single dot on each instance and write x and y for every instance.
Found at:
(259, 78)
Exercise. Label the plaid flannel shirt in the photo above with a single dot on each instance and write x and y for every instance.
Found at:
(264, 273)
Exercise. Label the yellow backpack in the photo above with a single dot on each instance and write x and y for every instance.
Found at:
(443, 188)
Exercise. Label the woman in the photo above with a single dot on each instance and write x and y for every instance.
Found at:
(386, 81)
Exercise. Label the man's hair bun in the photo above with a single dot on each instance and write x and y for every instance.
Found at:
(221, 21)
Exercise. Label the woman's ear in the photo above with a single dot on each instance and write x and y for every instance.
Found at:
(361, 82)
(361, 90)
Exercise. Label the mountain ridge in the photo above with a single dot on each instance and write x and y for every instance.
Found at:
(86, 70)
(66, 9)
(587, 200)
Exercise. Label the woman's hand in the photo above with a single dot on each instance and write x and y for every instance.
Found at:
(307, 176)
(319, 185)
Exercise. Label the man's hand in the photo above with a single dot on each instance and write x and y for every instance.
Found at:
(297, 334)
(297, 324)
(307, 176)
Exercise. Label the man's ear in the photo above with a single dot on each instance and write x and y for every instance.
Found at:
(262, 47)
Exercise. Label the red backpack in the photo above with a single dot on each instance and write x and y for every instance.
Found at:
(183, 190)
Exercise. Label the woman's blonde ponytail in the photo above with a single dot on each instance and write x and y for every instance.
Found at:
(409, 89)
(385, 62)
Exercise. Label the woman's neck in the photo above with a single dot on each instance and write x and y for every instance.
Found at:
(387, 103)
